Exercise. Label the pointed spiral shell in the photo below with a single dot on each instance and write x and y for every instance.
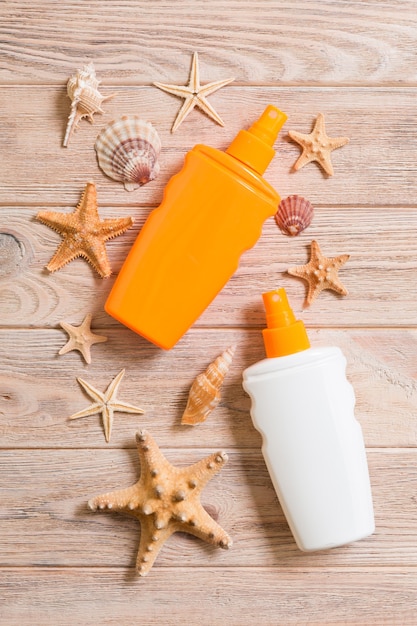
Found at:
(83, 79)
(205, 394)
(128, 150)
(82, 89)
(294, 215)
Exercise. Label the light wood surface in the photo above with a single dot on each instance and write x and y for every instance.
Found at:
(356, 63)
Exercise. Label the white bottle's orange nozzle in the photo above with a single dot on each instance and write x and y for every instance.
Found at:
(253, 147)
(284, 335)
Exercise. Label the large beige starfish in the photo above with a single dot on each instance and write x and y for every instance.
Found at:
(194, 94)
(320, 273)
(317, 146)
(166, 499)
(81, 338)
(84, 235)
(105, 403)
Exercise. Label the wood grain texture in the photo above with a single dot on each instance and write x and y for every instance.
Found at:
(355, 62)
(382, 266)
(326, 597)
(45, 521)
(377, 168)
(39, 390)
(257, 41)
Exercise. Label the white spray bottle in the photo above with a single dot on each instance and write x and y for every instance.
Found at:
(303, 406)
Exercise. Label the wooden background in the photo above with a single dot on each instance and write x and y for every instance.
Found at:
(356, 63)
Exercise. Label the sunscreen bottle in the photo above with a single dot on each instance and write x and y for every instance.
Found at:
(189, 247)
(303, 406)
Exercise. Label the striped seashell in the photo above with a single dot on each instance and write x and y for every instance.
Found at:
(205, 394)
(82, 89)
(294, 215)
(128, 150)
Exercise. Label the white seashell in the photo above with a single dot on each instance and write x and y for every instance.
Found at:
(81, 79)
(128, 151)
(204, 394)
(294, 215)
(82, 89)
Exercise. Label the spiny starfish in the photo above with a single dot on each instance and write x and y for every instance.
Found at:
(81, 338)
(105, 403)
(194, 94)
(84, 235)
(317, 146)
(320, 273)
(166, 499)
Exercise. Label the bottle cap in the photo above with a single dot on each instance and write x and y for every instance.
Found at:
(253, 147)
(284, 334)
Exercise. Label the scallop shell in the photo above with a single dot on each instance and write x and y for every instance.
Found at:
(82, 89)
(128, 151)
(294, 215)
(205, 394)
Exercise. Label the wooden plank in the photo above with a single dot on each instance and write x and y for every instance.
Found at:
(61, 563)
(381, 269)
(39, 390)
(45, 519)
(239, 596)
(378, 167)
(256, 41)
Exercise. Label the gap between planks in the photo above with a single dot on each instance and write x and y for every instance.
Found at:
(379, 569)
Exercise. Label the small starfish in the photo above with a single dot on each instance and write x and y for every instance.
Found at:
(320, 273)
(317, 146)
(166, 499)
(81, 338)
(105, 403)
(84, 235)
(194, 94)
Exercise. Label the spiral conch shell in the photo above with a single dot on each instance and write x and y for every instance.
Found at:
(82, 89)
(128, 150)
(205, 394)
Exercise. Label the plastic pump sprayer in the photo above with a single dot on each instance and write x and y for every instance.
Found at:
(303, 406)
(189, 247)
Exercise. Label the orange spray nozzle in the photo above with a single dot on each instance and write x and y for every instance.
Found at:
(253, 147)
(268, 125)
(284, 334)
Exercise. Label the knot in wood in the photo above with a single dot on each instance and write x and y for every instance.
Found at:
(12, 252)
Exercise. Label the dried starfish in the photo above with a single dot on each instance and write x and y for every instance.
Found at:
(81, 338)
(166, 499)
(194, 94)
(317, 146)
(105, 403)
(320, 273)
(84, 235)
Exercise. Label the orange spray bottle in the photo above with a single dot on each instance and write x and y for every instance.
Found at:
(189, 247)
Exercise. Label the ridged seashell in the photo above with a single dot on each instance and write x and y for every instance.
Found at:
(205, 394)
(82, 89)
(128, 151)
(294, 215)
